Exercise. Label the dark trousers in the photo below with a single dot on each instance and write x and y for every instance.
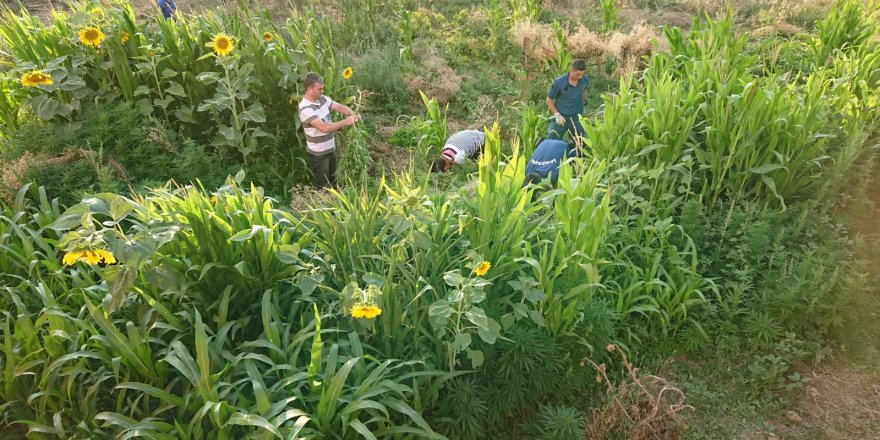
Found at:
(323, 169)
(572, 127)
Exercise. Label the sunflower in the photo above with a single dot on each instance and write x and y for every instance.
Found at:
(123, 37)
(267, 36)
(91, 36)
(151, 53)
(482, 268)
(222, 44)
(36, 78)
(92, 257)
(347, 73)
(368, 311)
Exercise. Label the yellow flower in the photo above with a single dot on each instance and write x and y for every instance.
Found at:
(213, 199)
(71, 257)
(222, 44)
(123, 37)
(89, 256)
(91, 36)
(368, 311)
(482, 268)
(97, 11)
(267, 36)
(347, 73)
(36, 78)
(151, 53)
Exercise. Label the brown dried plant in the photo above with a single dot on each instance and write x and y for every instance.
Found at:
(639, 407)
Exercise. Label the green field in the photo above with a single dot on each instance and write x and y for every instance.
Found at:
(706, 270)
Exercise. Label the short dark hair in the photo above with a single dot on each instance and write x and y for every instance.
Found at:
(531, 178)
(438, 166)
(578, 64)
(311, 79)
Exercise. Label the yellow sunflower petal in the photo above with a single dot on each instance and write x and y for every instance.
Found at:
(123, 37)
(367, 311)
(106, 256)
(36, 78)
(222, 44)
(482, 268)
(71, 258)
(91, 257)
(91, 36)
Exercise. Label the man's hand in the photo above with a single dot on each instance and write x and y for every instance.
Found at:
(351, 120)
(559, 119)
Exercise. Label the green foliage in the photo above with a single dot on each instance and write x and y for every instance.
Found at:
(431, 131)
(610, 11)
(380, 72)
(561, 423)
(463, 409)
(848, 26)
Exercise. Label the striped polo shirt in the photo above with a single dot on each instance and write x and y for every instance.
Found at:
(463, 144)
(317, 142)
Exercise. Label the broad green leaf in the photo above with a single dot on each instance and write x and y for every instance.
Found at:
(176, 89)
(243, 419)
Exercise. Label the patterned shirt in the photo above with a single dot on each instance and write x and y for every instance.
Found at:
(463, 144)
(317, 142)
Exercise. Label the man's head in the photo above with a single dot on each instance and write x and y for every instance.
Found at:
(578, 69)
(314, 85)
(441, 165)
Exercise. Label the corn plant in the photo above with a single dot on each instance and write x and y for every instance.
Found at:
(355, 160)
(503, 218)
(430, 130)
(405, 31)
(848, 26)
(522, 10)
(562, 56)
(610, 11)
(531, 128)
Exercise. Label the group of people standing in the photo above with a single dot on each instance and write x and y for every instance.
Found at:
(565, 99)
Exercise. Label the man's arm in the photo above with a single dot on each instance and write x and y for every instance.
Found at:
(551, 104)
(341, 108)
(330, 127)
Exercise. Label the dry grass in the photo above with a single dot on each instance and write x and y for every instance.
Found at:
(437, 79)
(844, 404)
(640, 407)
(631, 48)
(584, 43)
(12, 174)
(536, 40)
(306, 197)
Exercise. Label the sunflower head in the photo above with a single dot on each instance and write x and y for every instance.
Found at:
(91, 36)
(347, 73)
(123, 37)
(267, 36)
(482, 268)
(151, 53)
(368, 311)
(222, 44)
(36, 78)
(91, 257)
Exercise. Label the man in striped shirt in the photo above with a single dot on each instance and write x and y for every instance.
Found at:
(458, 147)
(314, 112)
